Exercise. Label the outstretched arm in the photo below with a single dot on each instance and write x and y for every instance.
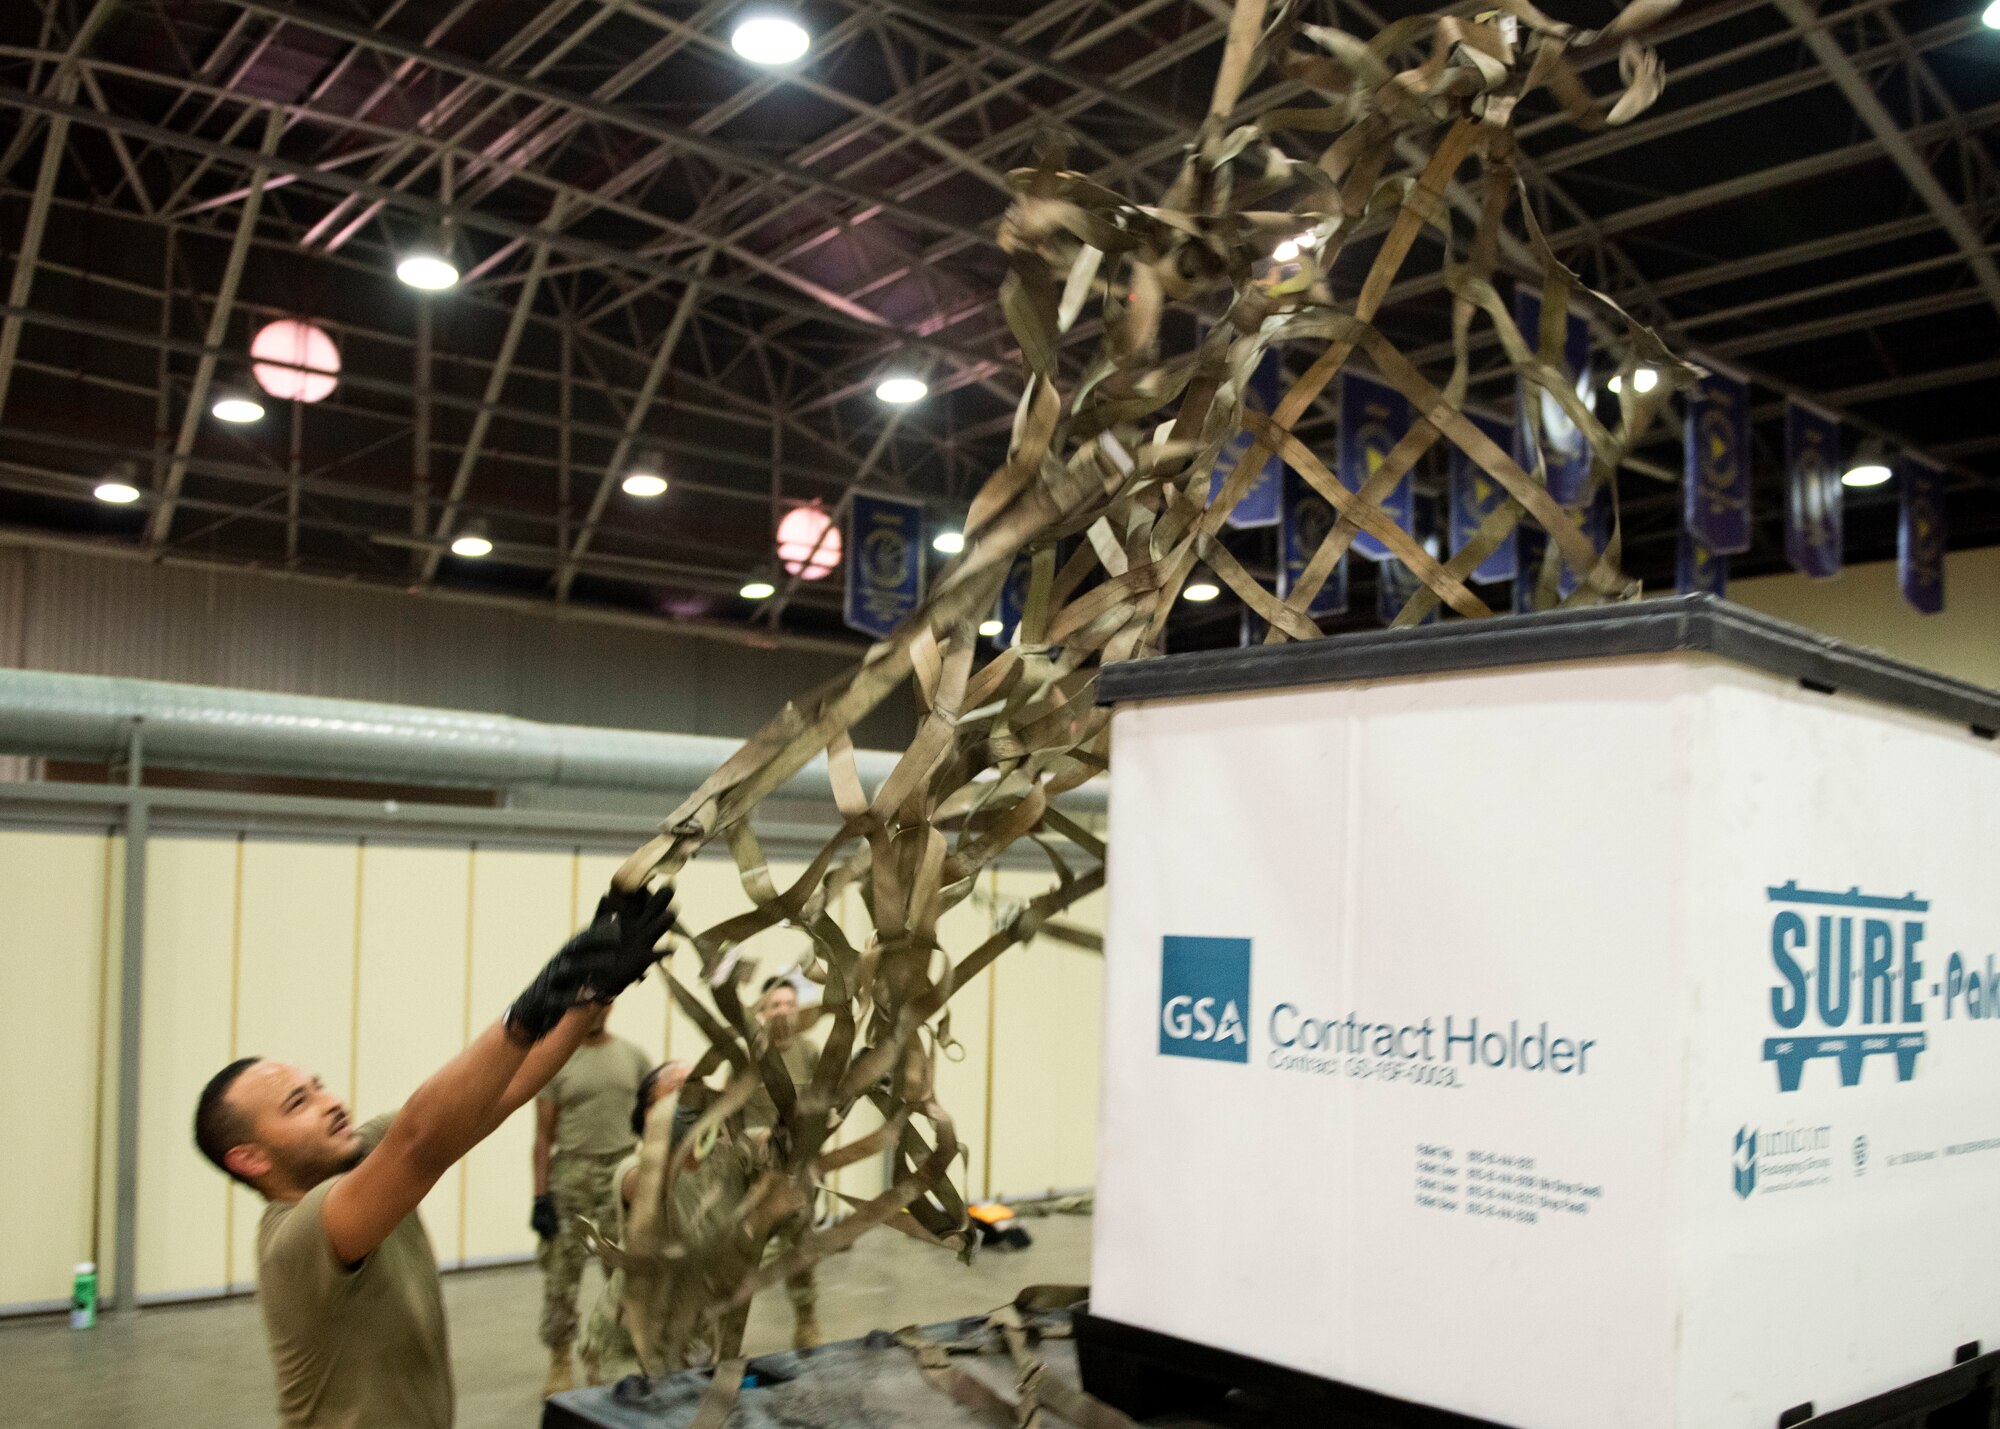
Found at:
(445, 1118)
(503, 1068)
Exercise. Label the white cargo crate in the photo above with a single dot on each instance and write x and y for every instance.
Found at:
(1578, 1022)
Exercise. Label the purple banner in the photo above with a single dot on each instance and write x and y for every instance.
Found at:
(1700, 571)
(1717, 476)
(1259, 506)
(1308, 519)
(1476, 496)
(1921, 538)
(1596, 526)
(1813, 522)
(1565, 452)
(1373, 418)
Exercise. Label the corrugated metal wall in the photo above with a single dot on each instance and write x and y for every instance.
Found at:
(86, 615)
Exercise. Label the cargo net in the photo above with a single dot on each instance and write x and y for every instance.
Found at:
(1112, 458)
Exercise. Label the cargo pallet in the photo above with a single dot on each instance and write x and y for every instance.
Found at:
(1145, 1373)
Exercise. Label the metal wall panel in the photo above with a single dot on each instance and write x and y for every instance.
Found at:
(78, 613)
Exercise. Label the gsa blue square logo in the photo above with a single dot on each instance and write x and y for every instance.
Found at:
(1205, 998)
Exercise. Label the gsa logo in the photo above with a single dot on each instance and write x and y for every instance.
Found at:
(1744, 1163)
(1204, 998)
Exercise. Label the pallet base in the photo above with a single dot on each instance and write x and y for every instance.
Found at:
(1145, 1373)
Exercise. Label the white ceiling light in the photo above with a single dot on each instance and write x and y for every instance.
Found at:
(1286, 252)
(1202, 592)
(770, 39)
(757, 590)
(948, 543)
(644, 483)
(901, 390)
(990, 628)
(118, 493)
(1992, 16)
(237, 407)
(428, 271)
(472, 542)
(1868, 472)
(1644, 379)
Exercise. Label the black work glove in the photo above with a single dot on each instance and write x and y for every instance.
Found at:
(543, 1220)
(598, 963)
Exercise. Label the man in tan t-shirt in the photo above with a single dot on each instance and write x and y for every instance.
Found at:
(346, 1278)
(583, 1129)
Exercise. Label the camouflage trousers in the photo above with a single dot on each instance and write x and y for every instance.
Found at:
(801, 1289)
(581, 1186)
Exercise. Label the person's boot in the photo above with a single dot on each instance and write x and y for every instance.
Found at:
(805, 1331)
(562, 1374)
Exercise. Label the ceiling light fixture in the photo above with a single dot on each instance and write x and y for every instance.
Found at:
(644, 484)
(1992, 16)
(1201, 592)
(1865, 472)
(231, 405)
(757, 590)
(901, 390)
(472, 541)
(428, 271)
(295, 361)
(769, 38)
(990, 628)
(948, 543)
(118, 493)
(1644, 379)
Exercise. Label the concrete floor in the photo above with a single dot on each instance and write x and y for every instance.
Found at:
(206, 1364)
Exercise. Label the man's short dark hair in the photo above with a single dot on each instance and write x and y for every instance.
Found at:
(645, 1102)
(779, 981)
(218, 1125)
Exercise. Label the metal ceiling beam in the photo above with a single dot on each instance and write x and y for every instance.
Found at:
(1854, 320)
(621, 454)
(162, 519)
(1895, 143)
(602, 253)
(728, 156)
(496, 382)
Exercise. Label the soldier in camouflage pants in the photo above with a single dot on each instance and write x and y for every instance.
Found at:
(582, 1186)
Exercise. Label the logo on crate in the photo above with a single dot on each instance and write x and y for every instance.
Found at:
(1204, 998)
(1850, 982)
(1792, 1158)
(1744, 1162)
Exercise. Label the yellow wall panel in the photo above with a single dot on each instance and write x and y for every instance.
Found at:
(52, 887)
(961, 1083)
(295, 983)
(521, 905)
(412, 997)
(109, 1008)
(1048, 1016)
(190, 930)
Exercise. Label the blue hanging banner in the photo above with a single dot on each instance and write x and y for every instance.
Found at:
(1259, 506)
(1013, 601)
(1716, 483)
(1308, 519)
(1813, 521)
(1395, 586)
(1476, 496)
(1532, 544)
(885, 563)
(1921, 537)
(1597, 527)
(1565, 451)
(1700, 571)
(1373, 418)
